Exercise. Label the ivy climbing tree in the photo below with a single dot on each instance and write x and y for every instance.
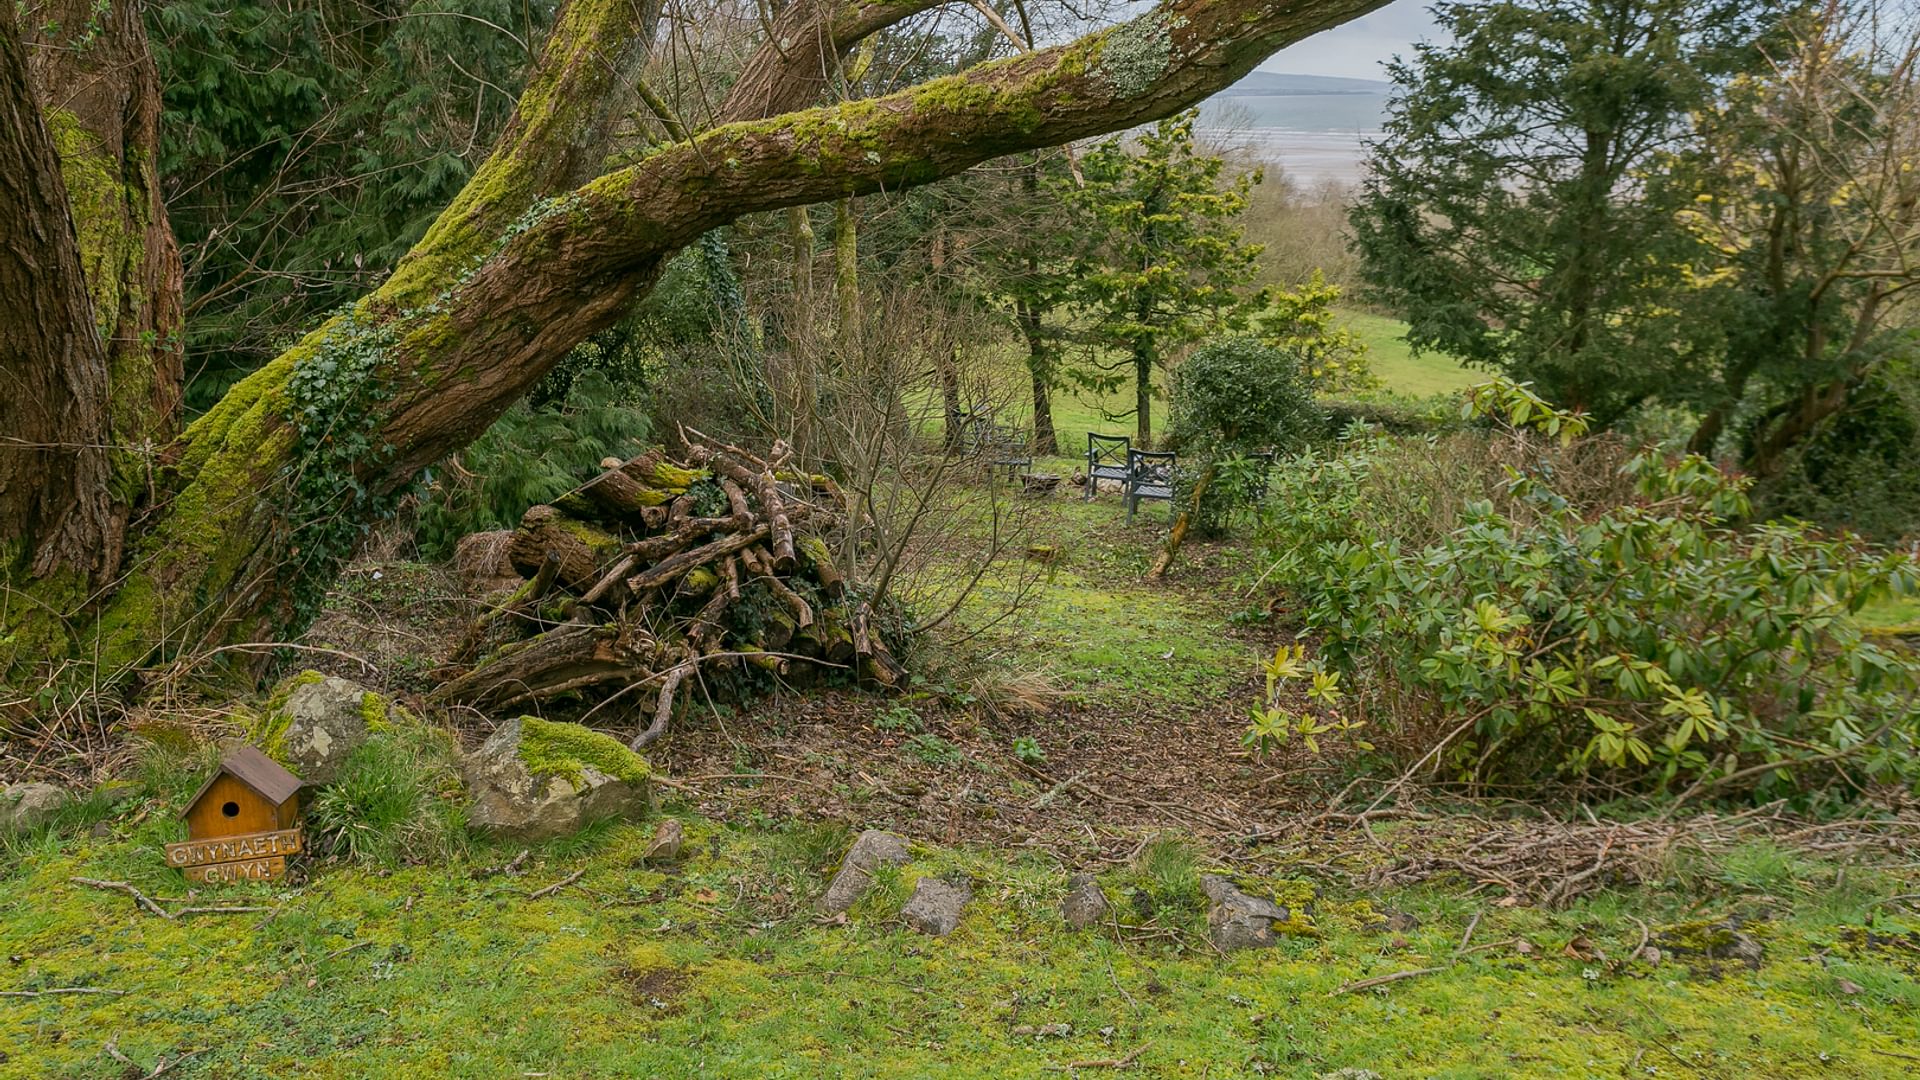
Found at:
(251, 508)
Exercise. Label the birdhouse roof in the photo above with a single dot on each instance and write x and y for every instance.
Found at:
(263, 775)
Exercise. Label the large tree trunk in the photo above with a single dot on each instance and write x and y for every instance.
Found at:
(271, 488)
(90, 299)
(57, 518)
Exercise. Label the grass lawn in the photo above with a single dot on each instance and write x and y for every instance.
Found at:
(1393, 359)
(717, 967)
(1078, 411)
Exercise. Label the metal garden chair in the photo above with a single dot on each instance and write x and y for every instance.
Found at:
(1106, 460)
(1149, 476)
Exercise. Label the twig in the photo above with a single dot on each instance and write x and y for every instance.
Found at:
(1471, 927)
(339, 952)
(219, 910)
(139, 897)
(1055, 790)
(1382, 980)
(558, 885)
(61, 990)
(161, 1065)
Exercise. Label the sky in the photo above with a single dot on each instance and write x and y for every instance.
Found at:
(1358, 49)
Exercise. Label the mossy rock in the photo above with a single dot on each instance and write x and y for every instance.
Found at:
(535, 779)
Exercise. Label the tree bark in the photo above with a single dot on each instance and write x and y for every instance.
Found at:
(1040, 372)
(58, 519)
(1143, 391)
(270, 488)
(846, 267)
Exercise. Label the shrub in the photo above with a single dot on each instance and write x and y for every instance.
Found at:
(1559, 625)
(1231, 399)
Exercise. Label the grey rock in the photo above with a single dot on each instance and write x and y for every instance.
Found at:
(874, 848)
(511, 802)
(29, 806)
(326, 721)
(936, 906)
(668, 839)
(1237, 920)
(1085, 903)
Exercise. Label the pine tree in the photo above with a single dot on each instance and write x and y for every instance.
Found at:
(1165, 264)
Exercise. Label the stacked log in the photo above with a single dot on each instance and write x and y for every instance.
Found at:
(659, 568)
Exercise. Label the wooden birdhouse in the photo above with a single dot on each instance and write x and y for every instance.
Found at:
(241, 823)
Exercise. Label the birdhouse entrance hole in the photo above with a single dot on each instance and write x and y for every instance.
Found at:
(231, 809)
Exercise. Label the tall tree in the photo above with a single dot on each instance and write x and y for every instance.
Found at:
(1803, 187)
(1164, 262)
(264, 494)
(1504, 215)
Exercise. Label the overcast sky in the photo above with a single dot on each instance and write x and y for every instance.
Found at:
(1357, 49)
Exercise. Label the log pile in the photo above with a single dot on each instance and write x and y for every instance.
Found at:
(657, 570)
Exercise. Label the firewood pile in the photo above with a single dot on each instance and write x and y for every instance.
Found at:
(657, 570)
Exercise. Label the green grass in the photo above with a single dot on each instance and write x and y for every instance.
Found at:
(716, 968)
(1893, 615)
(1394, 360)
(1078, 411)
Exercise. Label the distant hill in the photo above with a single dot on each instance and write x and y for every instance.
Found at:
(1279, 83)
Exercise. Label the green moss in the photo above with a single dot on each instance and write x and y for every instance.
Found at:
(563, 750)
(111, 245)
(269, 728)
(719, 969)
(373, 710)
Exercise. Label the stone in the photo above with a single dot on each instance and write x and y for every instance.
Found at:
(1237, 920)
(29, 806)
(325, 720)
(1349, 1074)
(872, 849)
(936, 905)
(535, 780)
(1085, 903)
(668, 839)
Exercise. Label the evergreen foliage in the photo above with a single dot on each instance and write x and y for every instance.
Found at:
(1163, 262)
(1505, 214)
(307, 146)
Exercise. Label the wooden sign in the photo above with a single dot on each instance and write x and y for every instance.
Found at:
(254, 857)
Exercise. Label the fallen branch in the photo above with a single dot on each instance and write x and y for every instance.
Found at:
(139, 897)
(58, 990)
(1108, 1063)
(1382, 980)
(558, 885)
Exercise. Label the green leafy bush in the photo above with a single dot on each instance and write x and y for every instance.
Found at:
(1231, 399)
(1559, 626)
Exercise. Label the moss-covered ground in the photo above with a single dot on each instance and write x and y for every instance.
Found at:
(716, 967)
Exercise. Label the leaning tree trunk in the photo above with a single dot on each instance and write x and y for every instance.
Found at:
(267, 493)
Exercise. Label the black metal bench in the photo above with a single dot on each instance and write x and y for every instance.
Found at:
(1106, 460)
(1149, 476)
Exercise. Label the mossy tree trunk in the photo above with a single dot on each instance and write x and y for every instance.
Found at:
(265, 494)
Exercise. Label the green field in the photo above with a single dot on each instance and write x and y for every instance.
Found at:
(1394, 360)
(1079, 411)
